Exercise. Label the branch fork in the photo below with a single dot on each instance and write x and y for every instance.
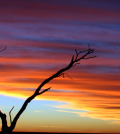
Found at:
(74, 61)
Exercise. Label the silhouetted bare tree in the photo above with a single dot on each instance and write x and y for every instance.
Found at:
(74, 61)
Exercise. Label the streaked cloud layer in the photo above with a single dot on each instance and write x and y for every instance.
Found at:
(41, 37)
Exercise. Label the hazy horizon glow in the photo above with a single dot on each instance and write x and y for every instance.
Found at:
(41, 38)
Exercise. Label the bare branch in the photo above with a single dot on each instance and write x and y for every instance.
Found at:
(72, 58)
(10, 114)
(63, 75)
(76, 51)
(44, 91)
(90, 57)
(74, 61)
(76, 64)
(68, 75)
(60, 75)
(3, 49)
(91, 51)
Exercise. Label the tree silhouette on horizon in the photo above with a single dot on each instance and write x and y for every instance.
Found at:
(74, 61)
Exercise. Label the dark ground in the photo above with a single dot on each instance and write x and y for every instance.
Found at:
(57, 133)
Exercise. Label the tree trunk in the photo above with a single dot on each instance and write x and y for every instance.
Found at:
(5, 128)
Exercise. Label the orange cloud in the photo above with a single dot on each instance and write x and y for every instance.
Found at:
(41, 38)
(96, 93)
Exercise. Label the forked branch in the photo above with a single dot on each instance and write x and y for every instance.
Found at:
(74, 61)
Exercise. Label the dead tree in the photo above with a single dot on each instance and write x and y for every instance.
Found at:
(74, 61)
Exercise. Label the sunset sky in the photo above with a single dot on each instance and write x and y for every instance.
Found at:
(41, 37)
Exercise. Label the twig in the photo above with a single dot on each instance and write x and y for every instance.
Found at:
(10, 114)
(3, 49)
